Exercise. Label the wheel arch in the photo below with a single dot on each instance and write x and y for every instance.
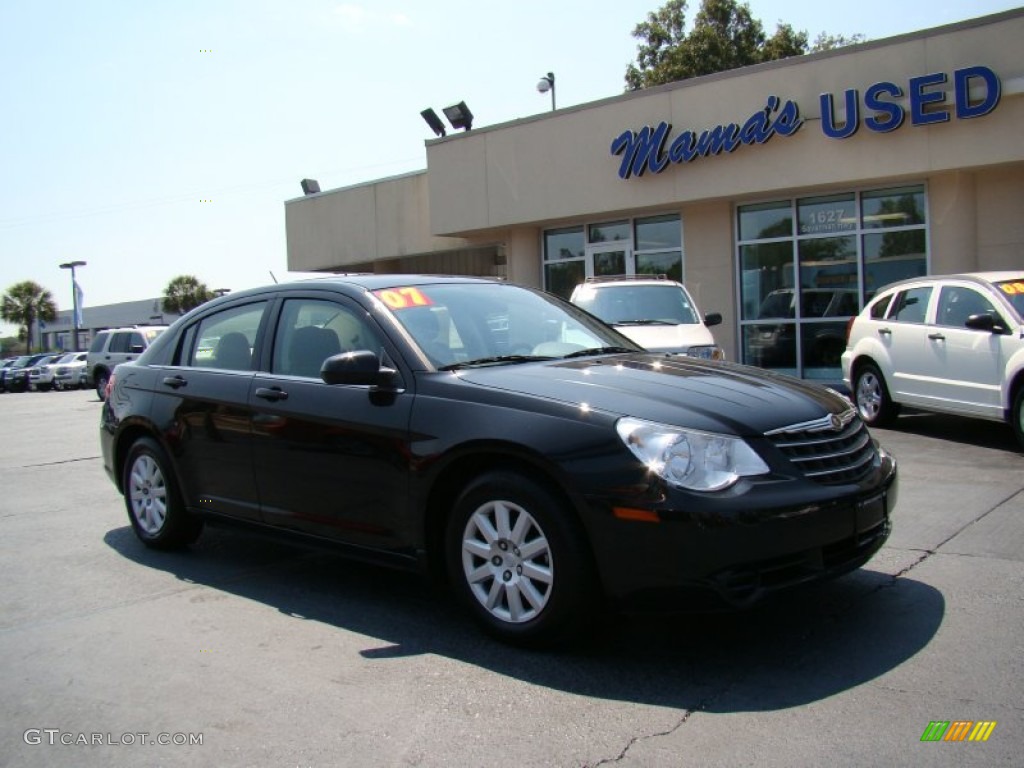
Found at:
(472, 461)
(127, 436)
(858, 364)
(1014, 386)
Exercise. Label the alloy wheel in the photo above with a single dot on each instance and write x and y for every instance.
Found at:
(507, 563)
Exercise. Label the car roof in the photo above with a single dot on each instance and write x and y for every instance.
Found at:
(974, 277)
(360, 283)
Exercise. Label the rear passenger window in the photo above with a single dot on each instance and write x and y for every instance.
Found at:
(911, 305)
(226, 340)
(119, 342)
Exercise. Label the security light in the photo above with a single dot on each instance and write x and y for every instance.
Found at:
(459, 116)
(433, 121)
(310, 186)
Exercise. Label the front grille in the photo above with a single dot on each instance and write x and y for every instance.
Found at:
(832, 450)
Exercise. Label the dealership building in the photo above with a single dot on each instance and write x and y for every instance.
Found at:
(784, 194)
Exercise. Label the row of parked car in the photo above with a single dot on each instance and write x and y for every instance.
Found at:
(43, 372)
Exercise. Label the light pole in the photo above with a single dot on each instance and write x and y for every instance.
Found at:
(547, 83)
(74, 301)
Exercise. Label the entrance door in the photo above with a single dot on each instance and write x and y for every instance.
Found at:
(609, 259)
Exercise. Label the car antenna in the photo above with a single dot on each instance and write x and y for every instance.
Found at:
(272, 276)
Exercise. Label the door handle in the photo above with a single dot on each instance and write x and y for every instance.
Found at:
(885, 332)
(272, 394)
(936, 336)
(174, 382)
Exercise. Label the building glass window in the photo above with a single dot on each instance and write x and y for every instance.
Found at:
(806, 283)
(766, 220)
(560, 244)
(658, 233)
(651, 245)
(609, 232)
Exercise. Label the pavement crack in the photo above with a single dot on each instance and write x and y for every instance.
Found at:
(928, 553)
(634, 740)
(59, 463)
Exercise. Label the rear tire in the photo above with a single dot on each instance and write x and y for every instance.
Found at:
(102, 377)
(519, 561)
(871, 396)
(155, 507)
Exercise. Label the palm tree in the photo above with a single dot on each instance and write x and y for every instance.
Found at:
(183, 293)
(23, 304)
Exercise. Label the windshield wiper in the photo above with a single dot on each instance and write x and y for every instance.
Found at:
(597, 351)
(496, 360)
(643, 322)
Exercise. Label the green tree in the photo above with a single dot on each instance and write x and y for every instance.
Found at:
(183, 293)
(724, 36)
(825, 42)
(23, 304)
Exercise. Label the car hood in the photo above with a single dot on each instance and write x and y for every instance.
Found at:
(667, 338)
(688, 392)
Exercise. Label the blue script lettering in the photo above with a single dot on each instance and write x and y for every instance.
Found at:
(644, 150)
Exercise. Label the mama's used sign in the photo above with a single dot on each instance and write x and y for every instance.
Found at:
(886, 107)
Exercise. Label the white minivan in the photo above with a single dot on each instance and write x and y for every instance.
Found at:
(945, 343)
(657, 313)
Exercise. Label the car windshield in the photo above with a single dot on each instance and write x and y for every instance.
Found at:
(1013, 290)
(636, 304)
(457, 324)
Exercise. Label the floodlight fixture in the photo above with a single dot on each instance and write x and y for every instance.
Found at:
(433, 121)
(547, 83)
(310, 186)
(459, 116)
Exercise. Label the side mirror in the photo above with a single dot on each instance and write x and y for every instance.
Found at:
(712, 318)
(984, 322)
(360, 367)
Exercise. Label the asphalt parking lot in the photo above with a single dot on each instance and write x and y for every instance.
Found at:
(248, 652)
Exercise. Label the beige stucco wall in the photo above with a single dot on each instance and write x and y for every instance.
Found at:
(355, 226)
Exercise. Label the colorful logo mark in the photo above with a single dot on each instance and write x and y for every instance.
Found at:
(958, 730)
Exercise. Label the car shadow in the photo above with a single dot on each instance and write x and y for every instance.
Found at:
(958, 429)
(804, 647)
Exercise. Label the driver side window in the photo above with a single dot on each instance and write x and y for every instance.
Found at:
(312, 330)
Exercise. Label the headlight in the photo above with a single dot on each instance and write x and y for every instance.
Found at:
(687, 458)
(707, 352)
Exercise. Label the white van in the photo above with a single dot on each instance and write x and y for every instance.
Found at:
(657, 313)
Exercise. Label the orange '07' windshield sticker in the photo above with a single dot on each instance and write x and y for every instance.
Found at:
(1012, 289)
(403, 298)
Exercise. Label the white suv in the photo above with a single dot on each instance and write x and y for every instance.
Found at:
(946, 343)
(657, 313)
(118, 345)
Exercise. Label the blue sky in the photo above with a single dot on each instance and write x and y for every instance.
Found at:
(158, 139)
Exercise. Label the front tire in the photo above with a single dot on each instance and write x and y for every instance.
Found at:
(1017, 416)
(874, 404)
(519, 561)
(155, 507)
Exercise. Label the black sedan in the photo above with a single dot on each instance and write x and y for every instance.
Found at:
(499, 436)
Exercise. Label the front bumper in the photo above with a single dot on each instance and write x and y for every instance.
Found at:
(731, 553)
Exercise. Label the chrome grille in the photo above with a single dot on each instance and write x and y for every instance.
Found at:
(832, 450)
